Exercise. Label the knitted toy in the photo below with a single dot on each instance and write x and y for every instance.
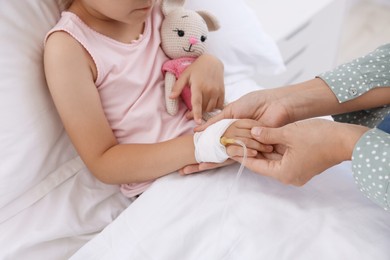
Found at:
(183, 36)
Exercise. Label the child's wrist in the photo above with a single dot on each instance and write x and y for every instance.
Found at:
(208, 147)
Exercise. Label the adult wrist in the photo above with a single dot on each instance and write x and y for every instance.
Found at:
(311, 99)
(350, 136)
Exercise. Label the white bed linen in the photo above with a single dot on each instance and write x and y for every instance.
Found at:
(55, 226)
(181, 218)
(49, 203)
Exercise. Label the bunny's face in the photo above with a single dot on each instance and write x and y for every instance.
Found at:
(183, 34)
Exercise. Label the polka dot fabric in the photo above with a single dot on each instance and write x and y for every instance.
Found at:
(350, 80)
(371, 166)
(370, 118)
(371, 155)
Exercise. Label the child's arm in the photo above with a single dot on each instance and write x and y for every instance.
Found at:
(205, 76)
(70, 75)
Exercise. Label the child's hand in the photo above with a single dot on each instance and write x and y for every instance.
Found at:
(241, 130)
(205, 77)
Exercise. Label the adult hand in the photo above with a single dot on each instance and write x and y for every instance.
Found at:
(269, 107)
(279, 106)
(303, 149)
(206, 79)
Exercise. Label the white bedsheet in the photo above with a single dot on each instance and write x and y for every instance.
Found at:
(181, 218)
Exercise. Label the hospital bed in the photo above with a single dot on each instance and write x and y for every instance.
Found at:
(51, 207)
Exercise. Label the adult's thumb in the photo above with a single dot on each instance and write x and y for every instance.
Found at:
(267, 135)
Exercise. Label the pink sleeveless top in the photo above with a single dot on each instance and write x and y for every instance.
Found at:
(131, 85)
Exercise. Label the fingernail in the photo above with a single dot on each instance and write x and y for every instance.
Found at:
(256, 131)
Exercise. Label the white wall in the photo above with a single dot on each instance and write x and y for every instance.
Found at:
(386, 2)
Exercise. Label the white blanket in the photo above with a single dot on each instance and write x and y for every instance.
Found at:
(182, 218)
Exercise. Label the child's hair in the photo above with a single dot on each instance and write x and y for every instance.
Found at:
(64, 4)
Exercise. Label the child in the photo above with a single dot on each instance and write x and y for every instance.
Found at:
(103, 68)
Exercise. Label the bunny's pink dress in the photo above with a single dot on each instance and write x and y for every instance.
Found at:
(176, 67)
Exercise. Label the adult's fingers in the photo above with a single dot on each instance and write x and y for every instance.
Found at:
(192, 168)
(195, 168)
(209, 166)
(267, 135)
(261, 166)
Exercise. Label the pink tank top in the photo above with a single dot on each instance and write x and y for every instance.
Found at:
(131, 85)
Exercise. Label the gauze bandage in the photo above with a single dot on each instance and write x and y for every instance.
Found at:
(208, 147)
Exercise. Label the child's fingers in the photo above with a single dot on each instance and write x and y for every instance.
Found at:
(211, 121)
(241, 128)
(234, 151)
(192, 168)
(245, 136)
(197, 101)
(189, 115)
(210, 105)
(255, 145)
(221, 102)
(179, 85)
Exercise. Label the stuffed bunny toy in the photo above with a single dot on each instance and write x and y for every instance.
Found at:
(183, 36)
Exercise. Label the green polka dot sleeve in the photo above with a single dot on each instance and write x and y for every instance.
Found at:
(371, 155)
(350, 80)
(371, 166)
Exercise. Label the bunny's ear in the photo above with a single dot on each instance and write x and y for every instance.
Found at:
(211, 20)
(168, 6)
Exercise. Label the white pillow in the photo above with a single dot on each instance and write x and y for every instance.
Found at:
(32, 140)
(241, 43)
(33, 143)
